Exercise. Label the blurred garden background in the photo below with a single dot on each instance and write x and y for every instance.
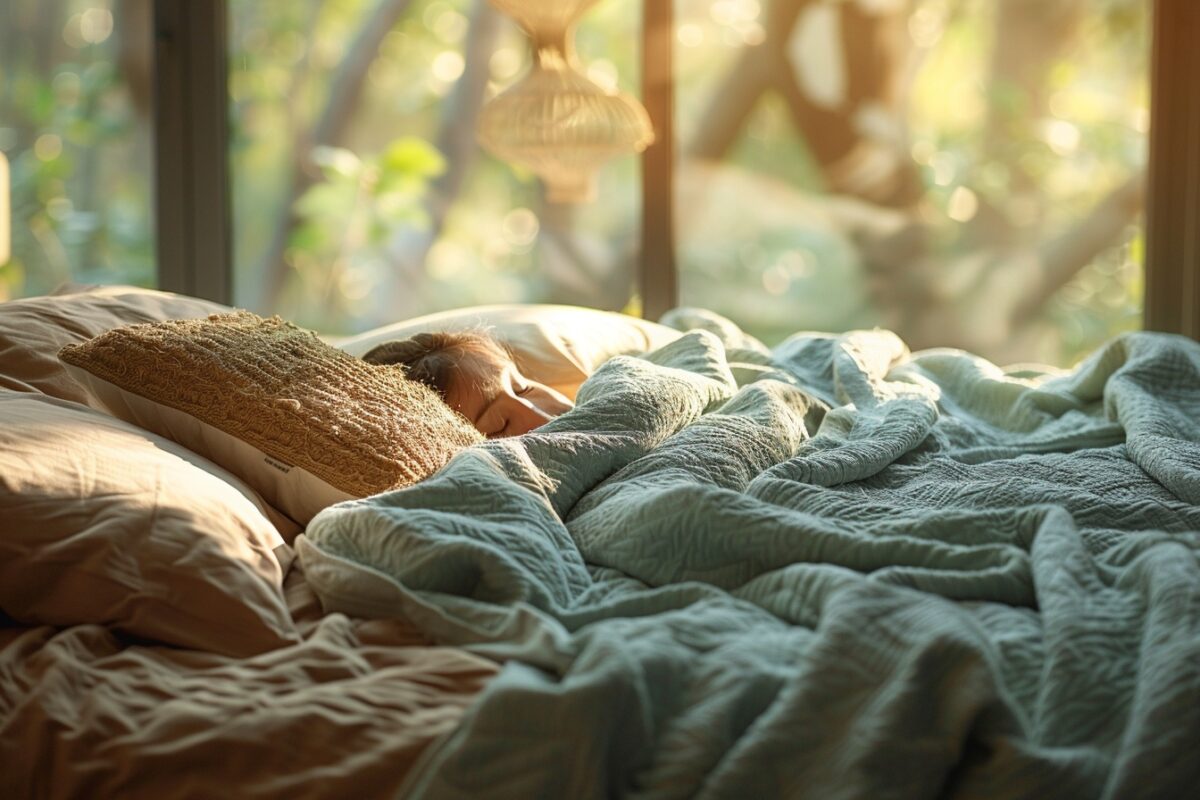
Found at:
(966, 172)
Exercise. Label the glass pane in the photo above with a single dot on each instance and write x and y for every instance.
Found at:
(967, 173)
(75, 125)
(360, 193)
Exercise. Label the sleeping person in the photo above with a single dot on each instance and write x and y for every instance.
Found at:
(477, 377)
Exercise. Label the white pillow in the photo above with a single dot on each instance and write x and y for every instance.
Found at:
(559, 346)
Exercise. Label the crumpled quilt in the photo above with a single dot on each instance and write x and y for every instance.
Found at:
(835, 569)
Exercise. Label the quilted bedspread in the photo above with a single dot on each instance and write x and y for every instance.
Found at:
(835, 569)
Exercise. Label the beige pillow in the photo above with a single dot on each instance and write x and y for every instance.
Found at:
(305, 424)
(34, 329)
(104, 523)
(556, 345)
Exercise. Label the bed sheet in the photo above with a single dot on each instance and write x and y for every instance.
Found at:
(344, 713)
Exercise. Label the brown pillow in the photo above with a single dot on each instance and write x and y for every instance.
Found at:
(34, 329)
(102, 522)
(304, 423)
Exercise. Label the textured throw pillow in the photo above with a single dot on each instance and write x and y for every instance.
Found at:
(104, 523)
(305, 424)
(559, 346)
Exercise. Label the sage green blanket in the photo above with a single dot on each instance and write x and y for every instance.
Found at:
(836, 569)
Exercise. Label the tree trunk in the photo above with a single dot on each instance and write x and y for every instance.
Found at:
(874, 50)
(1029, 36)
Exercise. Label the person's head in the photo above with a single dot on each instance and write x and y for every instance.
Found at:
(477, 378)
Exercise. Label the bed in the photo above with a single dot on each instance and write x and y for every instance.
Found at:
(833, 568)
(158, 639)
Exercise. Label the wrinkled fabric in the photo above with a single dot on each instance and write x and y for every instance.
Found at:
(346, 712)
(835, 569)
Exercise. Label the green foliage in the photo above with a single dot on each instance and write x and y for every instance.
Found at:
(362, 199)
(346, 220)
(1044, 154)
(79, 152)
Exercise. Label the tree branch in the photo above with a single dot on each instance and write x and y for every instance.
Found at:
(875, 48)
(737, 96)
(1063, 256)
(730, 105)
(456, 133)
(409, 248)
(345, 92)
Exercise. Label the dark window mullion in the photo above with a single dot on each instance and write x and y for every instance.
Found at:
(191, 148)
(1173, 192)
(658, 272)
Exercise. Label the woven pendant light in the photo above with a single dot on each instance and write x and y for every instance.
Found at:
(555, 121)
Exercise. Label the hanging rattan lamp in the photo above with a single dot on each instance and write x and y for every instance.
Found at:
(555, 121)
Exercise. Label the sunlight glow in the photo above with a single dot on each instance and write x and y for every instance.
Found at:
(925, 26)
(448, 66)
(690, 34)
(603, 73)
(505, 63)
(95, 25)
(48, 147)
(964, 205)
(521, 227)
(1062, 136)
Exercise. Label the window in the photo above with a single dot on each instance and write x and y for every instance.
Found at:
(967, 173)
(360, 193)
(75, 125)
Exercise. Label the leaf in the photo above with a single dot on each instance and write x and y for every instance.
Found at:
(327, 203)
(309, 238)
(409, 155)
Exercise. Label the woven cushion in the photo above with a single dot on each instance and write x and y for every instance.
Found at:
(304, 423)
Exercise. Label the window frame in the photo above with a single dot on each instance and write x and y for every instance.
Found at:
(194, 233)
(658, 272)
(1172, 261)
